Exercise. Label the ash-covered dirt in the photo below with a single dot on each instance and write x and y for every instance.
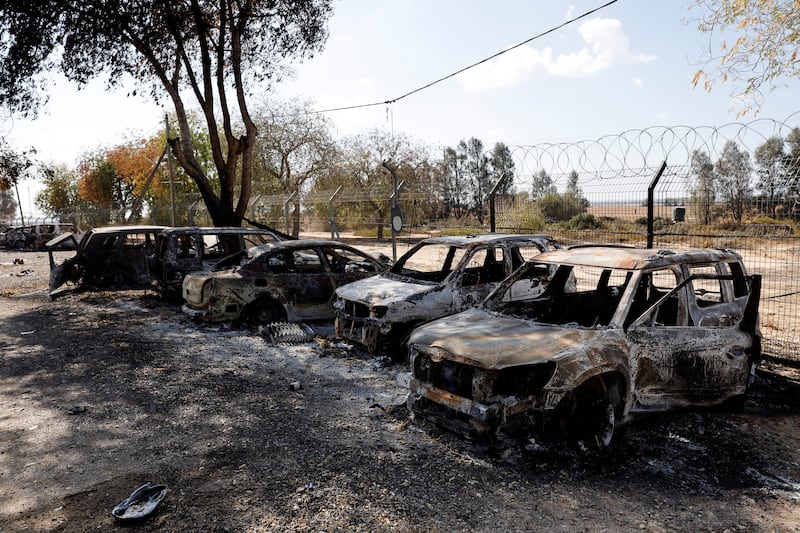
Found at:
(101, 392)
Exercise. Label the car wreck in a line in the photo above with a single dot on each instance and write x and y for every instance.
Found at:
(180, 251)
(439, 276)
(33, 237)
(113, 257)
(617, 332)
(286, 280)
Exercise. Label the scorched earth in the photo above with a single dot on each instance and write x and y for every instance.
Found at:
(102, 392)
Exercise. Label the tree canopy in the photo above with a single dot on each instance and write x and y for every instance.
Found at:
(204, 53)
(765, 45)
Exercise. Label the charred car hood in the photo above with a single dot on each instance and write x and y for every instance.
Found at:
(495, 341)
(381, 290)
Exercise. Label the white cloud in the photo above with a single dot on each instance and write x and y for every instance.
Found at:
(638, 82)
(607, 45)
(570, 12)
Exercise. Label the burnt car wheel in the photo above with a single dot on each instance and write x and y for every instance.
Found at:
(587, 418)
(265, 311)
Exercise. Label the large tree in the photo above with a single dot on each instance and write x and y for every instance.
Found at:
(760, 44)
(204, 53)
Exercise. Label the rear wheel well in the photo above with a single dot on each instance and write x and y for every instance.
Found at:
(264, 310)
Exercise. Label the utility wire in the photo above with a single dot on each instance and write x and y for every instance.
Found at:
(431, 84)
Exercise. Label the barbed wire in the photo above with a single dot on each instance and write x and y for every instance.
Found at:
(640, 152)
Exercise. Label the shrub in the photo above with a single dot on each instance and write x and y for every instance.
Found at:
(561, 207)
(583, 221)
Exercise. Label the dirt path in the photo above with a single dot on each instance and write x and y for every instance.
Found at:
(100, 393)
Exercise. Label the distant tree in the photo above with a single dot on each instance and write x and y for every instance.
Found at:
(573, 193)
(98, 185)
(8, 204)
(359, 167)
(476, 165)
(572, 183)
(761, 41)
(14, 164)
(733, 175)
(202, 53)
(770, 157)
(501, 163)
(703, 190)
(454, 185)
(791, 165)
(542, 185)
(295, 148)
(59, 194)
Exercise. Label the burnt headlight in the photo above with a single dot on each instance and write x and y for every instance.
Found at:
(379, 311)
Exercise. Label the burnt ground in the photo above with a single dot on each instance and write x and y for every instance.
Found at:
(101, 392)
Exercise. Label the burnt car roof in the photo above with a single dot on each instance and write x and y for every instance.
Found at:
(127, 229)
(478, 238)
(211, 230)
(634, 258)
(299, 243)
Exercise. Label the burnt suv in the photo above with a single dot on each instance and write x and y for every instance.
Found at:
(112, 257)
(616, 332)
(437, 277)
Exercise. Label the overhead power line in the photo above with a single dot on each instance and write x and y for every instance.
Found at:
(456, 73)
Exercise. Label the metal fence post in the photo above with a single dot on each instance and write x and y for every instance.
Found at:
(492, 196)
(334, 229)
(286, 213)
(650, 207)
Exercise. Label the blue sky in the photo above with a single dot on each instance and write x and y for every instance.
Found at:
(626, 67)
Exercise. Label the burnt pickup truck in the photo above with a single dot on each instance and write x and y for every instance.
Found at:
(617, 332)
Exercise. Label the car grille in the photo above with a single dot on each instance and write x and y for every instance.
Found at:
(355, 309)
(445, 375)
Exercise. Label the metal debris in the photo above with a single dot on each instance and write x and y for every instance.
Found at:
(287, 332)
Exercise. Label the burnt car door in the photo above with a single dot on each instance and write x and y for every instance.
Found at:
(482, 271)
(303, 278)
(71, 269)
(677, 360)
(347, 265)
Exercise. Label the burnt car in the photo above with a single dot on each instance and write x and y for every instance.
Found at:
(113, 257)
(33, 237)
(634, 331)
(180, 251)
(437, 277)
(286, 280)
